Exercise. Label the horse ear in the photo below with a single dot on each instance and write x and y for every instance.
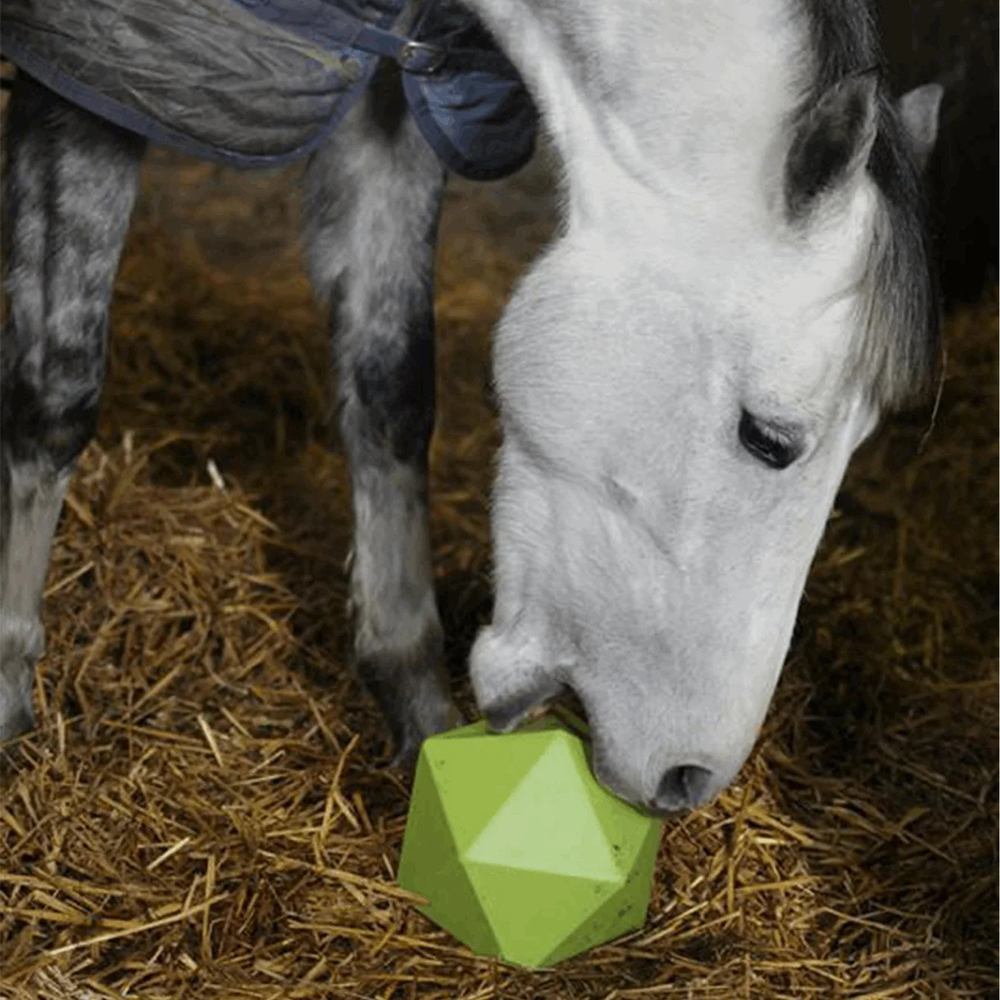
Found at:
(918, 111)
(832, 141)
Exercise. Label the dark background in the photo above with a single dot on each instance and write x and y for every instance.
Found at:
(955, 43)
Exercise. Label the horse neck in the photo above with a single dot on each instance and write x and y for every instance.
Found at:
(686, 100)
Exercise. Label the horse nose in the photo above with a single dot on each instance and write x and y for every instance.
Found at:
(683, 787)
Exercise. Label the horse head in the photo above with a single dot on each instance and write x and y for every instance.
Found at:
(683, 378)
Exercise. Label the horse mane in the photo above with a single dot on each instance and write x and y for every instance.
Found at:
(899, 353)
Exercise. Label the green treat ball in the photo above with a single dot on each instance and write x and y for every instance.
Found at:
(518, 850)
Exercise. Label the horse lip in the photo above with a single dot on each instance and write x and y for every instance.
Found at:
(506, 715)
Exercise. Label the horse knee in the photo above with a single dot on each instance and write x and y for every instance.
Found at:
(48, 404)
(388, 396)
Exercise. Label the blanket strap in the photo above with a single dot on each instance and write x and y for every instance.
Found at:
(325, 24)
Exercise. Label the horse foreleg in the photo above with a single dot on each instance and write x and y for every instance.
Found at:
(372, 204)
(70, 187)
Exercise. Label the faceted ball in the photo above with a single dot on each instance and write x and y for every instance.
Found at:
(517, 849)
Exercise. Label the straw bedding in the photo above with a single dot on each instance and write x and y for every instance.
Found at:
(206, 808)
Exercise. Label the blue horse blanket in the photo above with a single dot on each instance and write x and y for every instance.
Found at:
(260, 82)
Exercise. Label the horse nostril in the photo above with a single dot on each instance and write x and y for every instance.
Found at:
(683, 787)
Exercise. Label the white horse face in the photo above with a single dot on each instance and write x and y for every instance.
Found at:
(650, 554)
(678, 414)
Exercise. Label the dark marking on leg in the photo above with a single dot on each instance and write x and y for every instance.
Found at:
(397, 393)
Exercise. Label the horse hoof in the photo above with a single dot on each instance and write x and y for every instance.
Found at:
(411, 687)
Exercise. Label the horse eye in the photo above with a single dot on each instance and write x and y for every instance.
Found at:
(772, 445)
